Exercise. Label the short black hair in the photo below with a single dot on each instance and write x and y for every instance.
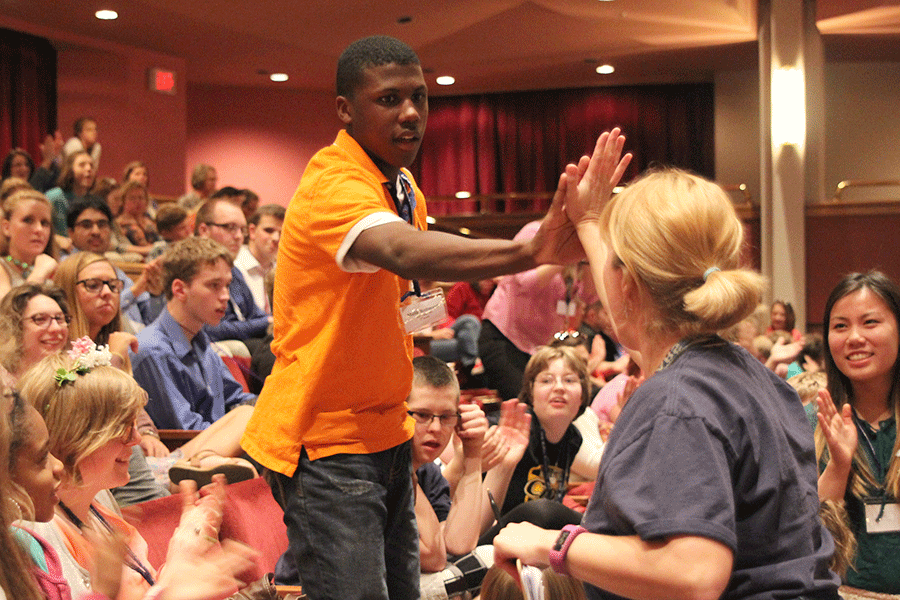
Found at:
(81, 122)
(227, 192)
(82, 204)
(368, 52)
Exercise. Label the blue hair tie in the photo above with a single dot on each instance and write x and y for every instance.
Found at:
(709, 272)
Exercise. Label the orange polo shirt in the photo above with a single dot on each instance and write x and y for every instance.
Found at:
(343, 366)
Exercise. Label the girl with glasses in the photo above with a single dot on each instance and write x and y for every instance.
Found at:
(34, 324)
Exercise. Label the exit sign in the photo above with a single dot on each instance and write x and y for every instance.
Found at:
(161, 80)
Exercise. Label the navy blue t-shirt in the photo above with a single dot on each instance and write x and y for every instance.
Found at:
(436, 489)
(715, 445)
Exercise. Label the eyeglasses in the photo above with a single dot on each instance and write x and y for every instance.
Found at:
(94, 285)
(88, 224)
(231, 228)
(43, 319)
(424, 418)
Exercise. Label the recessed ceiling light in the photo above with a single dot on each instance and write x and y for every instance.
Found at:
(278, 77)
(106, 15)
(445, 80)
(463, 195)
(605, 69)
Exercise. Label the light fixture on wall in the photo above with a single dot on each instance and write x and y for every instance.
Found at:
(279, 77)
(106, 15)
(788, 107)
(445, 80)
(606, 69)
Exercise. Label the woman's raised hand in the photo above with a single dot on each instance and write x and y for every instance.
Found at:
(590, 183)
(839, 430)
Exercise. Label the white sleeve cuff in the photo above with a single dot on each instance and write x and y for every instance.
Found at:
(372, 220)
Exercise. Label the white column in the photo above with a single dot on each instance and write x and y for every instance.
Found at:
(791, 142)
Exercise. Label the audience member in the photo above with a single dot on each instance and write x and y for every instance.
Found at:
(46, 174)
(524, 312)
(16, 567)
(469, 297)
(136, 171)
(607, 357)
(531, 479)
(354, 235)
(84, 140)
(11, 185)
(221, 220)
(707, 484)
(255, 259)
(449, 522)
(28, 244)
(75, 181)
(782, 319)
(807, 384)
(500, 585)
(811, 358)
(249, 203)
(188, 385)
(18, 163)
(89, 226)
(134, 221)
(34, 323)
(172, 225)
(857, 434)
(203, 182)
(89, 409)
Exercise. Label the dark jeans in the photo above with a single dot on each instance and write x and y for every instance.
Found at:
(351, 527)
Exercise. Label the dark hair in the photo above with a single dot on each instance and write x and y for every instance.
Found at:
(7, 162)
(841, 388)
(813, 347)
(80, 205)
(81, 122)
(228, 192)
(432, 371)
(790, 319)
(368, 52)
(169, 216)
(268, 210)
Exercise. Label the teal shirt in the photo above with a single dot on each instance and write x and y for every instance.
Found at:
(877, 565)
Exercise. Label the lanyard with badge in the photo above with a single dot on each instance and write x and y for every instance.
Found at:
(419, 310)
(882, 511)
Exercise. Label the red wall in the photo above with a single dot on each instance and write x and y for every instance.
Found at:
(257, 138)
(109, 82)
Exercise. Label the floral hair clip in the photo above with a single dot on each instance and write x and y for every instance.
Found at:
(85, 355)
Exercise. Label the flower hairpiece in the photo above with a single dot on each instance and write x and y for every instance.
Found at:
(85, 355)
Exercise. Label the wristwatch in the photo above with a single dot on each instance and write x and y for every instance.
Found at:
(561, 547)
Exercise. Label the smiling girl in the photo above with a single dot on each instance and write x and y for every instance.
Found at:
(858, 422)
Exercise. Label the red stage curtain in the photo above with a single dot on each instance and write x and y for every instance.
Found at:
(27, 92)
(520, 142)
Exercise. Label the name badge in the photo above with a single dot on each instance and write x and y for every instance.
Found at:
(422, 312)
(886, 520)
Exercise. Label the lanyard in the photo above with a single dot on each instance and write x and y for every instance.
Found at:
(133, 562)
(545, 460)
(404, 198)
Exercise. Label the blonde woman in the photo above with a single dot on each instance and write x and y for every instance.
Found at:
(26, 228)
(707, 486)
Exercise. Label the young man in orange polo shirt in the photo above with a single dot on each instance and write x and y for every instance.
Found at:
(331, 421)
